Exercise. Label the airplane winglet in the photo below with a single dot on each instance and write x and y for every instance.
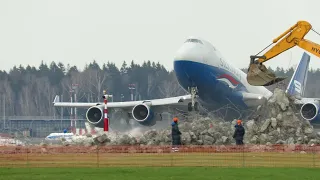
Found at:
(56, 99)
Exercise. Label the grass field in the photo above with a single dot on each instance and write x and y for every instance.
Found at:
(251, 159)
(176, 173)
(121, 163)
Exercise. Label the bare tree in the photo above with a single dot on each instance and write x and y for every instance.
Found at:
(26, 101)
(151, 84)
(41, 90)
(8, 95)
(95, 80)
(171, 87)
(76, 78)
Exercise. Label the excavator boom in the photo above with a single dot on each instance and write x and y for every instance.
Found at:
(259, 75)
(310, 46)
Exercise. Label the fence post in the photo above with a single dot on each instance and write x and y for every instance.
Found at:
(98, 156)
(27, 149)
(243, 161)
(313, 157)
(171, 156)
(27, 155)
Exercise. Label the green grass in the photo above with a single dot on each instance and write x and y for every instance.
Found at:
(175, 173)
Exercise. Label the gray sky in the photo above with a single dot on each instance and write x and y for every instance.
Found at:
(77, 31)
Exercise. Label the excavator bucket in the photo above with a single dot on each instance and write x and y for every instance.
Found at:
(259, 75)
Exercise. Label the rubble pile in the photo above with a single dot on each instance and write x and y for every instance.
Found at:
(4, 141)
(274, 123)
(203, 131)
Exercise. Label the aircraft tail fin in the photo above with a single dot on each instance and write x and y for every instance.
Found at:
(297, 84)
(56, 99)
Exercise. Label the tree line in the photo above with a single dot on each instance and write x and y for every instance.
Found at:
(29, 91)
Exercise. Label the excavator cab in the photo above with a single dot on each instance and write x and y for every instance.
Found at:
(259, 75)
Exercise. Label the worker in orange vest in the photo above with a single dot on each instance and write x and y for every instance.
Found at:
(239, 133)
(175, 133)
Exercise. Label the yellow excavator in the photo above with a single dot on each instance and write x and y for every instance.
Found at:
(259, 75)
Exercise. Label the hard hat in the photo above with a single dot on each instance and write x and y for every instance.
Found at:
(239, 121)
(175, 119)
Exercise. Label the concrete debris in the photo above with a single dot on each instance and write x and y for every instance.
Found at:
(4, 141)
(279, 124)
(290, 140)
(273, 123)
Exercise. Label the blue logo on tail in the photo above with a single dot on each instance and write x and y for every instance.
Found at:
(298, 81)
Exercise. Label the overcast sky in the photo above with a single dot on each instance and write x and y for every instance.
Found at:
(78, 31)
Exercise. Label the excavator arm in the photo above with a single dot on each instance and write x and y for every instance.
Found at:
(259, 75)
(310, 46)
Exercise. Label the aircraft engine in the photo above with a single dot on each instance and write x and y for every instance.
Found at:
(143, 114)
(310, 111)
(95, 115)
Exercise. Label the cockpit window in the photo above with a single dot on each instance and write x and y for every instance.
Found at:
(194, 41)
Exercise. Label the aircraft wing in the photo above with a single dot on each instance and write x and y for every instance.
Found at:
(301, 101)
(249, 97)
(154, 102)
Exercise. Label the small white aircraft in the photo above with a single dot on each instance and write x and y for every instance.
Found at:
(58, 136)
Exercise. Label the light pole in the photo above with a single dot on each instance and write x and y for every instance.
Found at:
(61, 107)
(71, 110)
(73, 89)
(106, 118)
(132, 87)
(4, 110)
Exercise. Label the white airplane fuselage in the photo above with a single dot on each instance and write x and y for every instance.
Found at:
(199, 64)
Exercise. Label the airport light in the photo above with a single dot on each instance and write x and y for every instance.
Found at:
(73, 119)
(75, 87)
(71, 109)
(132, 87)
(106, 120)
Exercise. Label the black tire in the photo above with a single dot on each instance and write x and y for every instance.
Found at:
(190, 106)
(196, 106)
